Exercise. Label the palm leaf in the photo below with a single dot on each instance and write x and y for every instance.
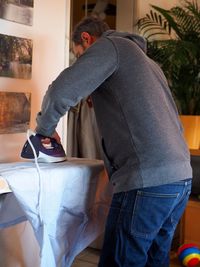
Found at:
(186, 22)
(169, 18)
(179, 55)
(154, 25)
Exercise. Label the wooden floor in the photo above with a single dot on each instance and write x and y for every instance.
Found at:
(90, 257)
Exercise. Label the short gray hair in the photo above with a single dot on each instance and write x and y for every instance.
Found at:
(92, 25)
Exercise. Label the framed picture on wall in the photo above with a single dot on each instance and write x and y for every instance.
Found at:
(15, 109)
(15, 57)
(20, 11)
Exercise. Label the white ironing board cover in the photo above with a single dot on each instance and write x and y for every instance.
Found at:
(75, 197)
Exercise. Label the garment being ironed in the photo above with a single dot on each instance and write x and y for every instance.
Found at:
(142, 137)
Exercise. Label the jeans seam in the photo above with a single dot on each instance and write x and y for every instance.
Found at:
(143, 235)
(149, 194)
(186, 192)
(121, 209)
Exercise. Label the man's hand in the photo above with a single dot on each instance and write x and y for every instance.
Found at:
(56, 136)
(46, 140)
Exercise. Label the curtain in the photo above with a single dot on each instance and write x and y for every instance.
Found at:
(83, 140)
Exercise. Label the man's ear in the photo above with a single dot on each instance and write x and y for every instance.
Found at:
(87, 38)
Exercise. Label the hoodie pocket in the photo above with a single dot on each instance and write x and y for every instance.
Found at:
(110, 167)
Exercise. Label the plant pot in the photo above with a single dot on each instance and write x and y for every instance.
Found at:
(191, 125)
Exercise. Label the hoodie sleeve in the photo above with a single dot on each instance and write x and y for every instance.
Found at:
(97, 63)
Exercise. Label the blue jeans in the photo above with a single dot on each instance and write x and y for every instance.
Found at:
(141, 225)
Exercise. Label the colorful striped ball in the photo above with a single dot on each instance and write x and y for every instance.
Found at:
(189, 254)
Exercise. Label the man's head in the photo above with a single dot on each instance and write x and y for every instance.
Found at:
(86, 32)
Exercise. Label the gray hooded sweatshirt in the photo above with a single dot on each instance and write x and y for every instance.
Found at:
(142, 137)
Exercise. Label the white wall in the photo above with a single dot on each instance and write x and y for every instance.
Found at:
(126, 15)
(144, 6)
(50, 35)
(129, 13)
(50, 32)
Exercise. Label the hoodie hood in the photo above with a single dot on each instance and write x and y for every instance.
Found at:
(139, 40)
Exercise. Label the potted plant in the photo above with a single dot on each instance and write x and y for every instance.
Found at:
(174, 42)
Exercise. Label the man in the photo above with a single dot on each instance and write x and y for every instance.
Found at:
(145, 154)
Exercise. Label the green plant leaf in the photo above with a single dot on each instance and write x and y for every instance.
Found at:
(174, 43)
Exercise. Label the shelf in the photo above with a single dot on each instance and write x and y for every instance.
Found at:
(195, 152)
(189, 230)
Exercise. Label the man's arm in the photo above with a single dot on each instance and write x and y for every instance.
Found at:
(76, 82)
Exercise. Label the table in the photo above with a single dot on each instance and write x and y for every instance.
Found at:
(66, 205)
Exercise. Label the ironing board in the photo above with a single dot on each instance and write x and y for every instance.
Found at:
(67, 206)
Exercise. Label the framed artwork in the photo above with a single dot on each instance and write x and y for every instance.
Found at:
(20, 11)
(15, 109)
(15, 57)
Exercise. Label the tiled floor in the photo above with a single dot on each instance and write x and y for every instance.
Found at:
(90, 257)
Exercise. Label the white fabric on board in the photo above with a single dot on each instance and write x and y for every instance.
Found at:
(75, 198)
